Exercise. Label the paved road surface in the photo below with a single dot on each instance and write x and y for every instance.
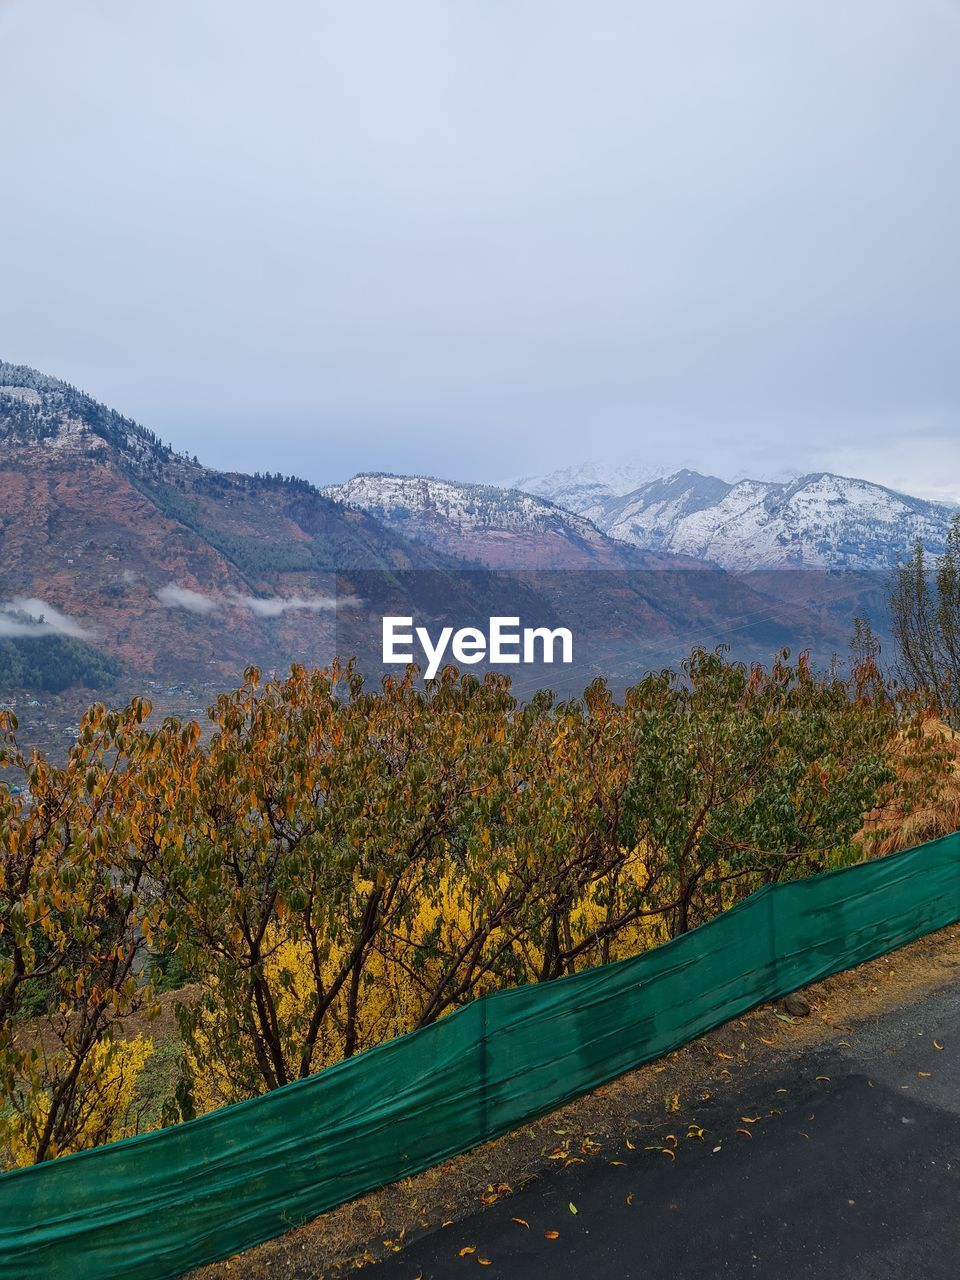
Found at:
(858, 1178)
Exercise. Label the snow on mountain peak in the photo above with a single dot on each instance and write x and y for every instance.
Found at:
(820, 520)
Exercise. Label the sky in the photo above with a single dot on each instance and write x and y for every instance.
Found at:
(481, 238)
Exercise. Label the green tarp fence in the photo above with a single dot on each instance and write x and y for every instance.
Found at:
(160, 1204)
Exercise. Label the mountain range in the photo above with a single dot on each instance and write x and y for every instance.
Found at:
(818, 521)
(498, 527)
(121, 558)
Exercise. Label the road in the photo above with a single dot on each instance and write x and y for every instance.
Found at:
(856, 1178)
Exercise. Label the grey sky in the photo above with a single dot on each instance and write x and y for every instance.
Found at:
(482, 237)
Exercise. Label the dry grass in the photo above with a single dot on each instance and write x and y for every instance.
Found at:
(934, 813)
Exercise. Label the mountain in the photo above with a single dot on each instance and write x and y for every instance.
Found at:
(174, 569)
(124, 564)
(819, 521)
(499, 528)
(581, 488)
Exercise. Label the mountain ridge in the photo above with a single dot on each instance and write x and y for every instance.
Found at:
(819, 520)
(496, 526)
(99, 518)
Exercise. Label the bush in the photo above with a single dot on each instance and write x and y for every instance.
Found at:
(339, 865)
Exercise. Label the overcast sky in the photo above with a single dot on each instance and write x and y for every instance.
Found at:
(483, 237)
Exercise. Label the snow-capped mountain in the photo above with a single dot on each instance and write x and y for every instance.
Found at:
(500, 528)
(818, 521)
(581, 488)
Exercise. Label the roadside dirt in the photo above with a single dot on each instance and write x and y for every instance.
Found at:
(635, 1107)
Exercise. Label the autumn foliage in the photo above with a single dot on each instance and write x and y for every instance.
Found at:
(338, 864)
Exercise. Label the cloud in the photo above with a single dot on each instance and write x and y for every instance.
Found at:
(30, 616)
(276, 606)
(174, 597)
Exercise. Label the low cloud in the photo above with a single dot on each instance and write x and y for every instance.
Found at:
(275, 606)
(174, 597)
(30, 616)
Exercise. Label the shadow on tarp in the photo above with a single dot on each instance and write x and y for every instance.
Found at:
(160, 1204)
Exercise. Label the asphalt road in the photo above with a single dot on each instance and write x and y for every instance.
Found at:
(856, 1178)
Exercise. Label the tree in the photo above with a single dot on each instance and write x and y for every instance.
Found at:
(745, 776)
(925, 613)
(77, 913)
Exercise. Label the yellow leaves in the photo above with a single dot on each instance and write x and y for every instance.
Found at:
(107, 1081)
(521, 1222)
(937, 1045)
(572, 1207)
(467, 1250)
(671, 1102)
(551, 1235)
